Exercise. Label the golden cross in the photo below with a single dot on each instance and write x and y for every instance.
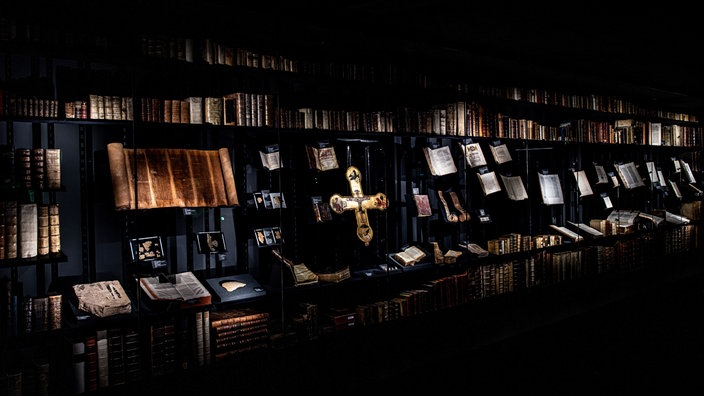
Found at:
(359, 203)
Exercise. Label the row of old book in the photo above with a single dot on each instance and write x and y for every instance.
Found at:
(21, 106)
(30, 168)
(604, 103)
(29, 230)
(214, 52)
(515, 242)
(455, 119)
(26, 314)
(114, 356)
(106, 357)
(237, 109)
(100, 107)
(238, 331)
(541, 268)
(33, 378)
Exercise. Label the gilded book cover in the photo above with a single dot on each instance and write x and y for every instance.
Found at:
(166, 177)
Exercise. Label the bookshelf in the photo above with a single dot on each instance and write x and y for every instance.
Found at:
(182, 92)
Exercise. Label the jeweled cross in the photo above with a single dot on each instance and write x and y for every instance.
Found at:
(359, 203)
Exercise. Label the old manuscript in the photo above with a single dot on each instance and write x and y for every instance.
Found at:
(170, 177)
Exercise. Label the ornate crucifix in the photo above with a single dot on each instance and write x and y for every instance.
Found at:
(359, 203)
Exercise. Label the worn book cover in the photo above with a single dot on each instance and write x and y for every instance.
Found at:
(322, 158)
(473, 154)
(213, 111)
(103, 299)
(321, 209)
(422, 204)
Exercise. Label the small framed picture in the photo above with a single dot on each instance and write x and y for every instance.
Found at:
(269, 236)
(211, 242)
(277, 200)
(258, 200)
(277, 235)
(146, 249)
(266, 196)
(260, 237)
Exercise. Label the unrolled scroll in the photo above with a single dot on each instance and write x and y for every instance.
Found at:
(160, 177)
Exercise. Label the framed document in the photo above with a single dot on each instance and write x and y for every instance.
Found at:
(148, 253)
(211, 242)
(146, 249)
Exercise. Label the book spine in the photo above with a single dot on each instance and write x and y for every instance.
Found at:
(14, 383)
(206, 338)
(11, 227)
(103, 358)
(224, 328)
(40, 314)
(198, 338)
(79, 367)
(38, 169)
(156, 349)
(55, 311)
(231, 334)
(54, 229)
(91, 363)
(132, 356)
(28, 314)
(217, 321)
(116, 360)
(223, 355)
(27, 230)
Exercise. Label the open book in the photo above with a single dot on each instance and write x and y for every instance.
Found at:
(585, 229)
(514, 188)
(656, 220)
(322, 157)
(623, 218)
(567, 232)
(440, 160)
(501, 153)
(629, 175)
(409, 256)
(583, 185)
(601, 177)
(183, 286)
(473, 154)
(489, 182)
(271, 158)
(551, 189)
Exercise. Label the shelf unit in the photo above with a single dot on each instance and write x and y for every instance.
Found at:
(396, 112)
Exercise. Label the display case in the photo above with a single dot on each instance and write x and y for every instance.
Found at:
(271, 194)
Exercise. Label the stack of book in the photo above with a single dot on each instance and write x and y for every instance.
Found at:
(237, 331)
